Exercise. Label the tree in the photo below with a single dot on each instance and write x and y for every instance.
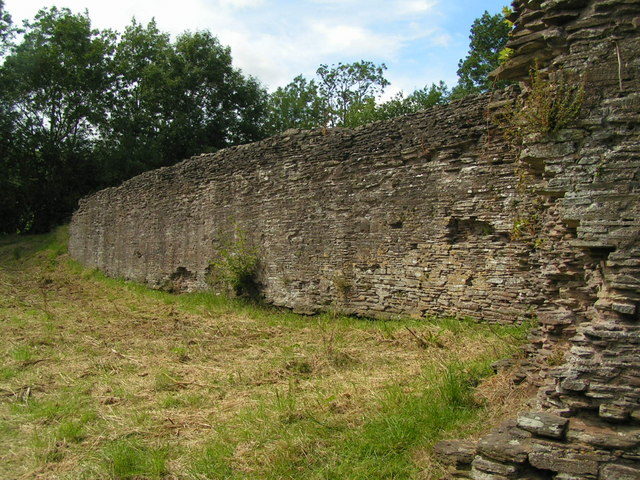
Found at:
(369, 111)
(8, 182)
(6, 28)
(53, 85)
(217, 105)
(342, 95)
(81, 109)
(57, 76)
(302, 104)
(344, 85)
(489, 35)
(176, 99)
(129, 141)
(427, 97)
(298, 105)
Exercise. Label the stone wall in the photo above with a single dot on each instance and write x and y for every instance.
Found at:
(411, 216)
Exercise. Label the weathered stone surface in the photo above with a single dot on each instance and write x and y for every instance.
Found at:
(620, 472)
(613, 412)
(544, 424)
(558, 460)
(595, 382)
(488, 466)
(603, 435)
(502, 446)
(482, 475)
(456, 452)
(411, 216)
(571, 476)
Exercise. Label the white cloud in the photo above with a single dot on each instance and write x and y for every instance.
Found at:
(415, 6)
(354, 40)
(241, 3)
(441, 39)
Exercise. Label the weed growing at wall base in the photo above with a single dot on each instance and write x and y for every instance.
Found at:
(234, 266)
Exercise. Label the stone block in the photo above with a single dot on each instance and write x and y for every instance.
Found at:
(481, 475)
(502, 446)
(613, 413)
(603, 435)
(543, 424)
(564, 461)
(620, 472)
(456, 452)
(493, 467)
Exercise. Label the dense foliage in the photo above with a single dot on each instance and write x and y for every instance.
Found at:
(348, 95)
(82, 109)
(344, 95)
(6, 28)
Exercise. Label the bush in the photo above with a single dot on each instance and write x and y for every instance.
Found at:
(235, 265)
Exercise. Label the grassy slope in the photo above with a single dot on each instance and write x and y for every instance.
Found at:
(101, 378)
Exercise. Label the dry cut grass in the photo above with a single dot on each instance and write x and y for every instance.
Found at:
(106, 379)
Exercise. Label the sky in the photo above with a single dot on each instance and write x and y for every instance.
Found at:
(420, 41)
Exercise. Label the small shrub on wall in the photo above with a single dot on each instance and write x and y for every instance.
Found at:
(546, 106)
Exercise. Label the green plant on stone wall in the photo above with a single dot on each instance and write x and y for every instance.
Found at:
(558, 355)
(522, 227)
(505, 54)
(528, 223)
(342, 284)
(235, 264)
(549, 103)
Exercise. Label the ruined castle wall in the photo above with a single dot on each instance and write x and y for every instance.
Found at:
(412, 216)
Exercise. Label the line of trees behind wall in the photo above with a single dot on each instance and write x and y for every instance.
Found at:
(82, 109)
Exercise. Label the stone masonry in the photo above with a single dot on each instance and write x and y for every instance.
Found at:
(411, 216)
(441, 213)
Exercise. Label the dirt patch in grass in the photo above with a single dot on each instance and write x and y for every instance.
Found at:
(101, 378)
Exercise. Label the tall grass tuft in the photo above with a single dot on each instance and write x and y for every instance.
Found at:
(130, 459)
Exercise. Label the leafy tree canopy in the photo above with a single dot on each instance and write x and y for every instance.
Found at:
(6, 28)
(421, 99)
(53, 86)
(298, 105)
(343, 86)
(345, 95)
(488, 38)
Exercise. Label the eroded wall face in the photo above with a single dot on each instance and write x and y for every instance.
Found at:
(412, 216)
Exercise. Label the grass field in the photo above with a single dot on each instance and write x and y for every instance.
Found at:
(106, 379)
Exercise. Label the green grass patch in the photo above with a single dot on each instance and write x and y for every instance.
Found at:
(22, 354)
(71, 431)
(130, 458)
(212, 461)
